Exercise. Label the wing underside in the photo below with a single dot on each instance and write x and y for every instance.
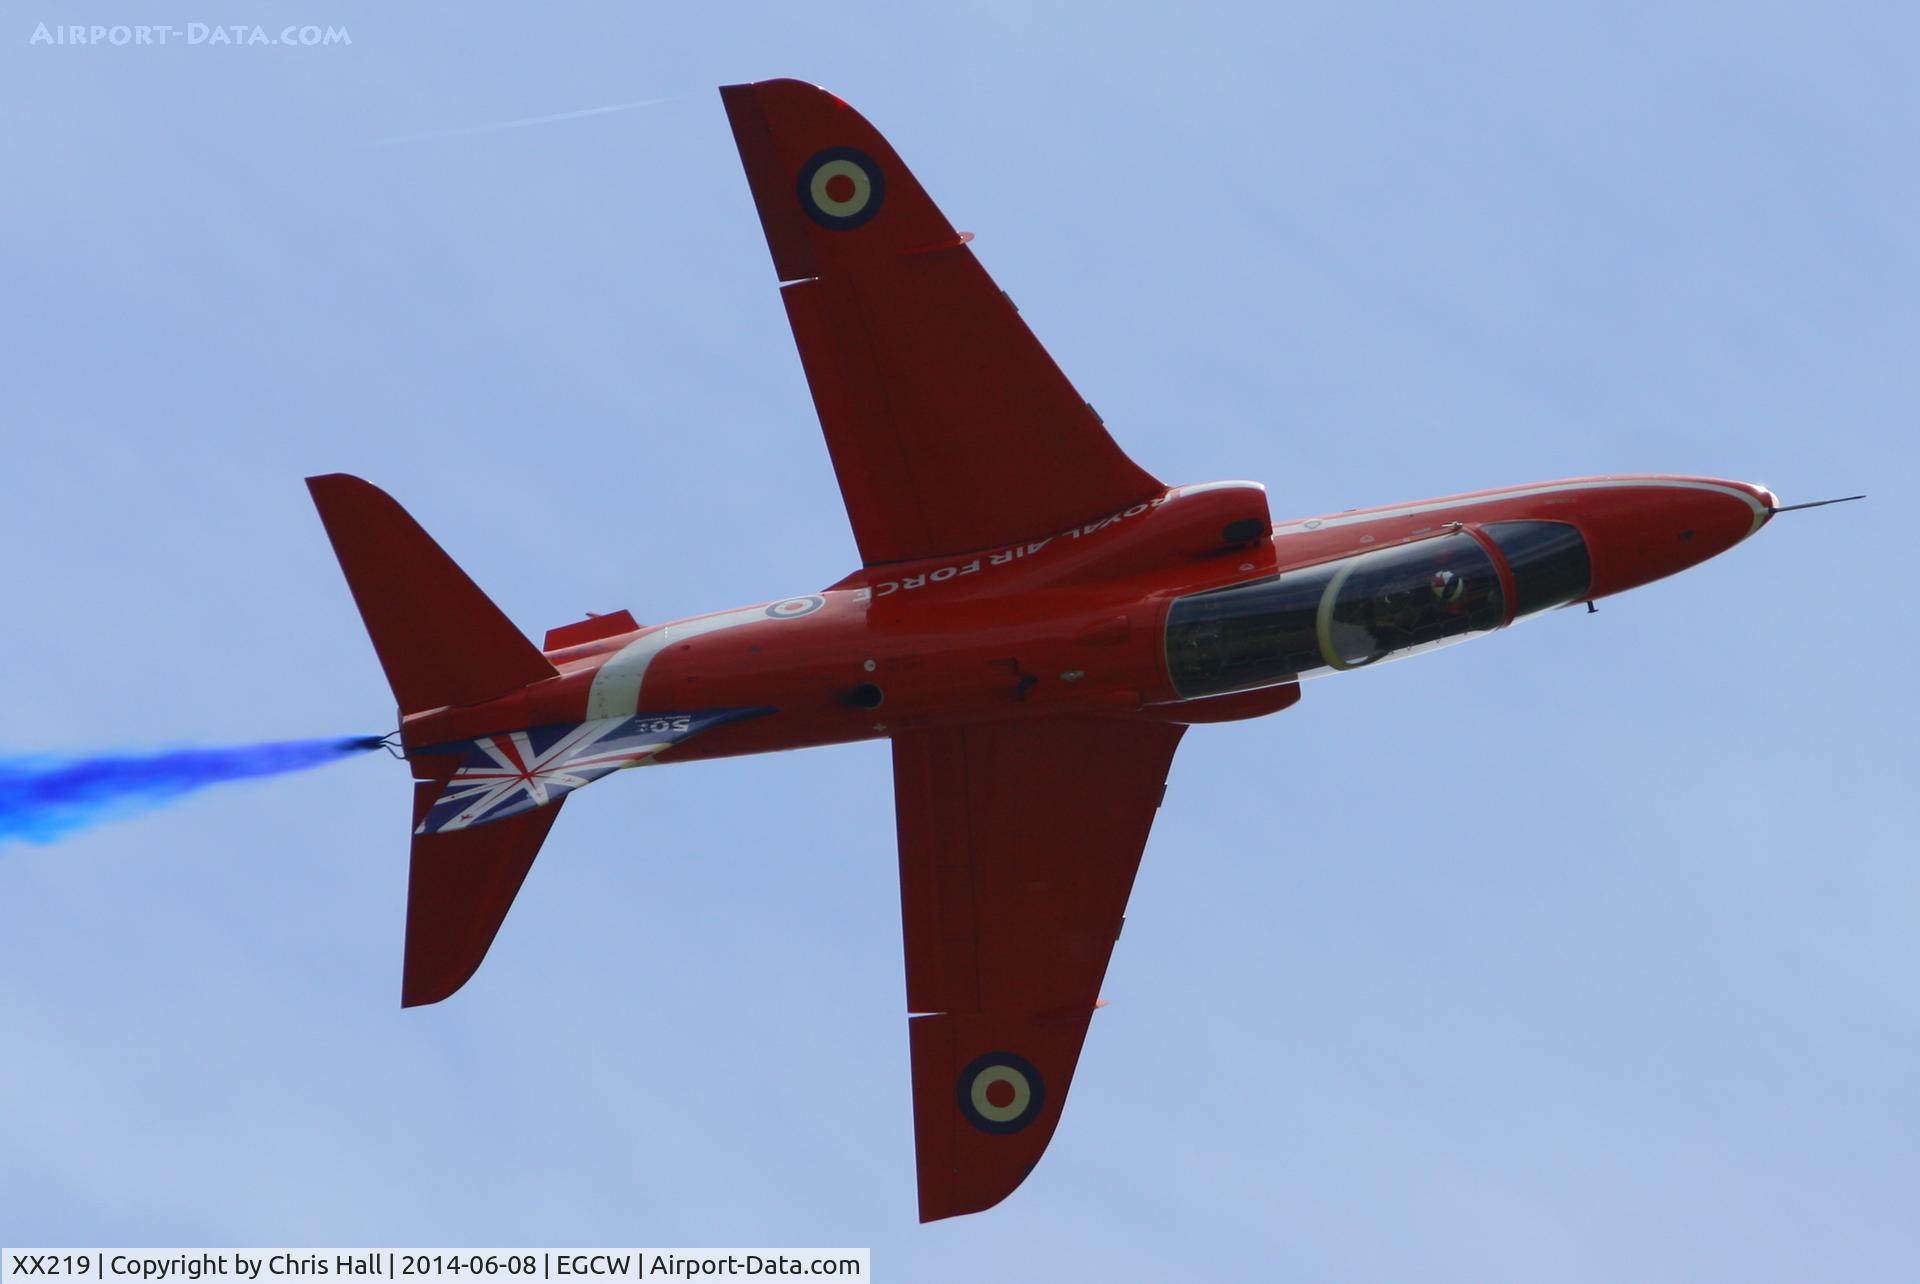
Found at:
(1018, 847)
(950, 427)
(951, 431)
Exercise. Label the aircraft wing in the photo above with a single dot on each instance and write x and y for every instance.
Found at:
(1018, 846)
(950, 427)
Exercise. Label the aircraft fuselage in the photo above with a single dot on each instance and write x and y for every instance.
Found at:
(1189, 607)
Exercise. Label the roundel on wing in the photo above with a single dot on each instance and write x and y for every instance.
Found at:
(1000, 1092)
(794, 607)
(841, 188)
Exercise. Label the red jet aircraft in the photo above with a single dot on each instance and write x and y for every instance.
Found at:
(1035, 623)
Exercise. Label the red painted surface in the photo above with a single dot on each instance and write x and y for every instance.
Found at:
(960, 648)
(1008, 630)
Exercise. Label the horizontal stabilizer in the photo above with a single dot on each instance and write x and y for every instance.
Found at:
(439, 638)
(459, 889)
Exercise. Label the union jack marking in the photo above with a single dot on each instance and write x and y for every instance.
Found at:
(515, 771)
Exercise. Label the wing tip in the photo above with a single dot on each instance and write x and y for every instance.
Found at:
(941, 1205)
(420, 995)
(787, 242)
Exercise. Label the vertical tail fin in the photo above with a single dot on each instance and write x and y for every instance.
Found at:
(439, 638)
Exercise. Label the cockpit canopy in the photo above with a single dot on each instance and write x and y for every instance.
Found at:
(1548, 560)
(1369, 607)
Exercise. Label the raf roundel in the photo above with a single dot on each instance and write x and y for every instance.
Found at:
(1000, 1092)
(841, 188)
(795, 607)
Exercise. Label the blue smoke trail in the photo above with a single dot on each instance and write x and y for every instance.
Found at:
(43, 798)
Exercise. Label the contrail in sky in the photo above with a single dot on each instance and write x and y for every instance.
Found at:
(522, 123)
(45, 798)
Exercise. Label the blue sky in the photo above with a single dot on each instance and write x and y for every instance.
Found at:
(1580, 954)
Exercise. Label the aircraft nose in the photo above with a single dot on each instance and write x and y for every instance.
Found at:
(1667, 524)
(1754, 491)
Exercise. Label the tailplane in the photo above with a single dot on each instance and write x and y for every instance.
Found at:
(481, 810)
(441, 642)
(439, 638)
(460, 885)
(481, 806)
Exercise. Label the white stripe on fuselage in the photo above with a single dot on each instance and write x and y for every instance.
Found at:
(1306, 524)
(616, 687)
